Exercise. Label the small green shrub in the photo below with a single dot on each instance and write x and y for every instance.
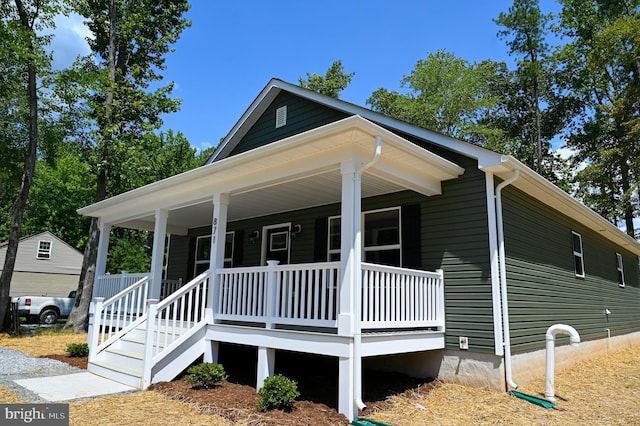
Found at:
(278, 393)
(78, 349)
(207, 374)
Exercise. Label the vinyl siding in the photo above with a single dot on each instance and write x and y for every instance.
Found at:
(302, 115)
(543, 288)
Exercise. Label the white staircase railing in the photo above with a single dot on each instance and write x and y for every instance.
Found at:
(401, 298)
(117, 315)
(174, 320)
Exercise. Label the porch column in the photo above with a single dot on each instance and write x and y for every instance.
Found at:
(157, 255)
(103, 249)
(101, 269)
(346, 388)
(266, 365)
(350, 247)
(216, 261)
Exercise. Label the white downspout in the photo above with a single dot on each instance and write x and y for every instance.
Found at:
(357, 337)
(503, 280)
(574, 340)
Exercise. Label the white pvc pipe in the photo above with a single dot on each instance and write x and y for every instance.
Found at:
(574, 340)
(503, 281)
(357, 358)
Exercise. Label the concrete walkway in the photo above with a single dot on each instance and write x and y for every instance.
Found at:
(41, 380)
(72, 386)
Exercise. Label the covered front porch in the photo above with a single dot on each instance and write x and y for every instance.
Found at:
(347, 308)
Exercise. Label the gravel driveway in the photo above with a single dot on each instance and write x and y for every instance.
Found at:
(16, 365)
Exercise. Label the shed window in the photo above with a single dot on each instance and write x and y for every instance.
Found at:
(44, 250)
(578, 258)
(381, 237)
(620, 268)
(203, 252)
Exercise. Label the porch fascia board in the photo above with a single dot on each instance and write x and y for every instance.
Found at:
(302, 155)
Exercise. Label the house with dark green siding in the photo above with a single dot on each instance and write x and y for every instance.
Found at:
(321, 227)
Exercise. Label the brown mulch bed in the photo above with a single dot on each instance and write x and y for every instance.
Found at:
(76, 361)
(317, 379)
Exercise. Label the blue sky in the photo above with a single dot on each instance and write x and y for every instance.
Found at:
(233, 48)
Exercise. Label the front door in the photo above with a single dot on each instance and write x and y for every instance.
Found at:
(276, 243)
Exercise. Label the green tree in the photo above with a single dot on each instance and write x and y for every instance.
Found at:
(331, 84)
(526, 27)
(129, 42)
(443, 93)
(23, 47)
(603, 54)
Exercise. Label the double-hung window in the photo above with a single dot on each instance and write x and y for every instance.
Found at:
(620, 268)
(381, 242)
(578, 257)
(44, 250)
(203, 252)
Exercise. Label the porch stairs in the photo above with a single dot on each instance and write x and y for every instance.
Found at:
(169, 335)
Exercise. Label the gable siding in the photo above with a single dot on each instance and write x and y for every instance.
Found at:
(542, 286)
(302, 115)
(64, 258)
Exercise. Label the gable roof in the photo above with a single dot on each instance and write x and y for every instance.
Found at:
(502, 166)
(41, 235)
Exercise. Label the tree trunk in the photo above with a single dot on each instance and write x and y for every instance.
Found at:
(79, 317)
(27, 175)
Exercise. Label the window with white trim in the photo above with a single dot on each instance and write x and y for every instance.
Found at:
(620, 268)
(578, 256)
(44, 250)
(381, 242)
(203, 252)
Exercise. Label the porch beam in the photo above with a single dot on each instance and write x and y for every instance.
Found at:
(157, 254)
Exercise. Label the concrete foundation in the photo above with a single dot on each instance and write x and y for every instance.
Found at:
(487, 370)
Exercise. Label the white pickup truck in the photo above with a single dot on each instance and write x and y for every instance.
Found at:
(45, 309)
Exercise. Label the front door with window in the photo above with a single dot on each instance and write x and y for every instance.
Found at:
(276, 243)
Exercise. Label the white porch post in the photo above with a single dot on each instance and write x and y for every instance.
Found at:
(101, 269)
(266, 365)
(350, 284)
(216, 261)
(350, 247)
(103, 250)
(157, 254)
(346, 389)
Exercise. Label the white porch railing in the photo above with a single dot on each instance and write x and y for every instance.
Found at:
(306, 295)
(300, 294)
(401, 298)
(109, 285)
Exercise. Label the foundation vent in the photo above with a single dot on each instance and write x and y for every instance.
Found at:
(281, 116)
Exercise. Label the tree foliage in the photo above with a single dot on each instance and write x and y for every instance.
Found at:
(22, 47)
(603, 54)
(122, 99)
(443, 93)
(331, 84)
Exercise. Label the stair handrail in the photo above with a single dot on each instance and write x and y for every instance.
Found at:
(98, 341)
(166, 310)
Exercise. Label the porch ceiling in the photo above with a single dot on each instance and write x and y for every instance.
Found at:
(295, 173)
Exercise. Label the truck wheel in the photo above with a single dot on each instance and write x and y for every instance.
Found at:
(48, 316)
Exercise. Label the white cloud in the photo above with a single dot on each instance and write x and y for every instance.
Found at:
(69, 40)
